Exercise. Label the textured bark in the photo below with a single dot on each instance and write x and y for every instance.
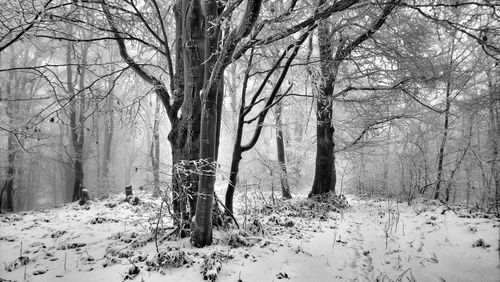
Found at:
(324, 173)
(193, 37)
(179, 198)
(202, 231)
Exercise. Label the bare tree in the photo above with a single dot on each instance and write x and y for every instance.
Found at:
(325, 173)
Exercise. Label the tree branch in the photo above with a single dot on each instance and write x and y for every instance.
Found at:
(270, 100)
(24, 30)
(159, 87)
(369, 127)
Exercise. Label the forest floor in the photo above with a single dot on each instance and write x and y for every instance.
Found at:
(296, 240)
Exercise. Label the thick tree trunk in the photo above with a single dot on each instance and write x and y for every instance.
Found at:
(202, 231)
(179, 198)
(185, 133)
(193, 37)
(325, 174)
(280, 146)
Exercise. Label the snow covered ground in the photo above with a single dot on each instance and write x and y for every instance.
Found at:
(372, 240)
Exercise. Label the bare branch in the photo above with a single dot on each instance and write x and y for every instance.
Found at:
(159, 87)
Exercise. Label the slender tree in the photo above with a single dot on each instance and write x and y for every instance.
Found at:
(245, 110)
(280, 148)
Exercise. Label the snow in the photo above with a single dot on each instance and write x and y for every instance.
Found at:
(372, 240)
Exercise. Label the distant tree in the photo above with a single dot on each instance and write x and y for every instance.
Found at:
(280, 148)
(12, 141)
(77, 112)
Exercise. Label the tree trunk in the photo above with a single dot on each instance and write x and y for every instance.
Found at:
(494, 132)
(108, 138)
(78, 183)
(11, 173)
(12, 111)
(108, 134)
(98, 162)
(442, 146)
(237, 150)
(155, 150)
(285, 189)
(77, 126)
(185, 132)
(177, 135)
(11, 151)
(324, 173)
(233, 176)
(1, 196)
(202, 231)
(179, 198)
(193, 37)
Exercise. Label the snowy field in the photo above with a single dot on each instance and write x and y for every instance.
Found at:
(300, 240)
